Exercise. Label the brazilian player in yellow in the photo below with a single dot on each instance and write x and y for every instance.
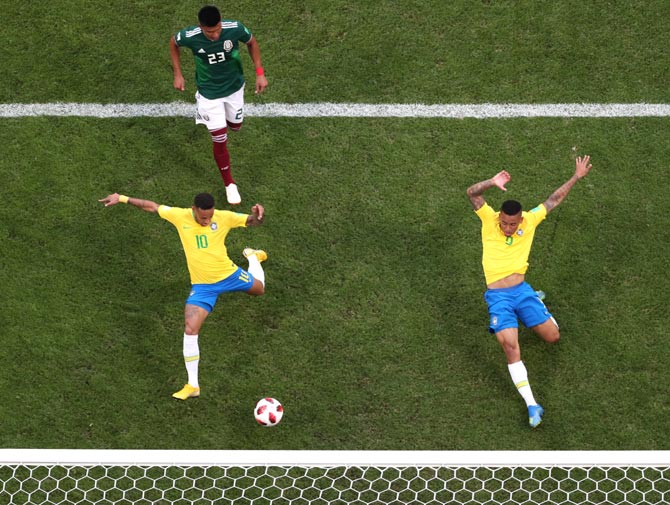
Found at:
(203, 230)
(507, 237)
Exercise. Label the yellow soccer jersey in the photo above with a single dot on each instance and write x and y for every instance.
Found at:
(501, 255)
(204, 246)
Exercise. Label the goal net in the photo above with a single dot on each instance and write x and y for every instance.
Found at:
(32, 476)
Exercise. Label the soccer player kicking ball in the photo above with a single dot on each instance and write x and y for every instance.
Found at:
(218, 75)
(203, 230)
(507, 237)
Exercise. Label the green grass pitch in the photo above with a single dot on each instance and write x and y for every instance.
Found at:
(373, 329)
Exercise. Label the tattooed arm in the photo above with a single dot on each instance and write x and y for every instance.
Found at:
(582, 167)
(476, 191)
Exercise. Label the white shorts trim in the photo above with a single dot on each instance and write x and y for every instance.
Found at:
(217, 113)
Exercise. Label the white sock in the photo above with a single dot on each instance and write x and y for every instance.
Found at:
(520, 378)
(256, 269)
(191, 358)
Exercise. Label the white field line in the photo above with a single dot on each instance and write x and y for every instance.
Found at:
(315, 110)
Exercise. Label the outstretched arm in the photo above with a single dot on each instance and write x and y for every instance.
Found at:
(256, 216)
(114, 198)
(476, 191)
(582, 167)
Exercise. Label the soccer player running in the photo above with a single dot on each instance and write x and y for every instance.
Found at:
(203, 230)
(507, 237)
(219, 79)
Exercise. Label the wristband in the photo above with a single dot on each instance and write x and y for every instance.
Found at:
(260, 71)
(123, 199)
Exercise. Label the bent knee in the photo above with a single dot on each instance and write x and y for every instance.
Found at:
(555, 332)
(234, 126)
(510, 346)
(553, 336)
(550, 332)
(258, 289)
(511, 349)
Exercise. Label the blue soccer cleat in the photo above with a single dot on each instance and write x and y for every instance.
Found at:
(535, 413)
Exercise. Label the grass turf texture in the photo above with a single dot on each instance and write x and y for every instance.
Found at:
(372, 332)
(430, 51)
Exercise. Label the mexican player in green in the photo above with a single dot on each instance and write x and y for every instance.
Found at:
(203, 231)
(220, 80)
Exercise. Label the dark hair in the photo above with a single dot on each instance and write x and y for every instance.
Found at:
(510, 207)
(209, 16)
(204, 201)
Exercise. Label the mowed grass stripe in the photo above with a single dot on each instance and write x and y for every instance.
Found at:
(455, 111)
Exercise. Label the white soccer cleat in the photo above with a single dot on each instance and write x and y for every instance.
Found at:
(233, 195)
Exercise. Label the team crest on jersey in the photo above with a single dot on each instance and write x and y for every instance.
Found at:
(519, 232)
(214, 226)
(227, 45)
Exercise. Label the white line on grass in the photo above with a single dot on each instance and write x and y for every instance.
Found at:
(457, 111)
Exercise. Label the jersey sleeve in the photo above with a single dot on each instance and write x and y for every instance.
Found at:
(244, 33)
(233, 219)
(485, 212)
(168, 213)
(181, 38)
(538, 214)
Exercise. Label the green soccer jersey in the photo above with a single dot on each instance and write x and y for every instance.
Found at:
(218, 66)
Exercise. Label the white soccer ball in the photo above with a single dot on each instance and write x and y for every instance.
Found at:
(268, 412)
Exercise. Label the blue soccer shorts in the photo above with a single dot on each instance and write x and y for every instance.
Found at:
(205, 295)
(509, 305)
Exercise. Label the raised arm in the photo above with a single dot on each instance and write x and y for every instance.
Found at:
(256, 216)
(582, 168)
(476, 191)
(114, 198)
(255, 53)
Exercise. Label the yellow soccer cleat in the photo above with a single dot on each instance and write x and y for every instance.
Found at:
(261, 255)
(187, 392)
